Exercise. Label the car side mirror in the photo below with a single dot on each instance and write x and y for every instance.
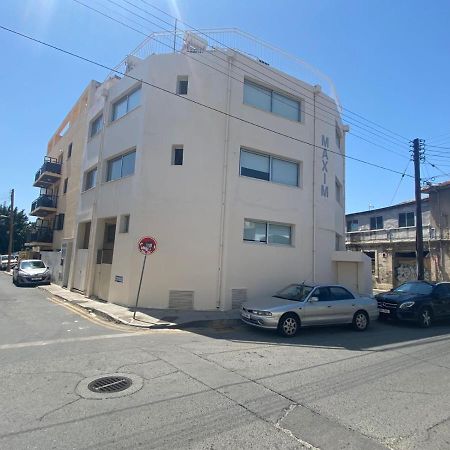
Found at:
(314, 299)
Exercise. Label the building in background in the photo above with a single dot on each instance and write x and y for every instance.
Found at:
(59, 183)
(227, 162)
(388, 237)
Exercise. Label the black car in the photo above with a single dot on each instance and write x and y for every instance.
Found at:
(418, 301)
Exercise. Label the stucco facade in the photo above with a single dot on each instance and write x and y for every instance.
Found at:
(203, 210)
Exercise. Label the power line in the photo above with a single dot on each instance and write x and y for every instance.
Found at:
(400, 182)
(199, 31)
(331, 111)
(437, 146)
(226, 74)
(211, 108)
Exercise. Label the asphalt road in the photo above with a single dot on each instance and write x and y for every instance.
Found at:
(328, 388)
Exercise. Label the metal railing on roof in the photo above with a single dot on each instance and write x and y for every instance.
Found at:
(232, 38)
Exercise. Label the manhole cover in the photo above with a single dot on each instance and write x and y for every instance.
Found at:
(109, 384)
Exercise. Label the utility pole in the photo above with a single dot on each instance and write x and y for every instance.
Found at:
(11, 231)
(418, 146)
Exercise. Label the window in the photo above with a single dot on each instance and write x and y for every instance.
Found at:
(110, 233)
(124, 223)
(322, 293)
(121, 166)
(269, 168)
(182, 85)
(69, 151)
(376, 223)
(90, 179)
(263, 98)
(96, 125)
(338, 191)
(177, 156)
(337, 242)
(59, 222)
(406, 219)
(66, 181)
(352, 225)
(340, 293)
(126, 104)
(267, 233)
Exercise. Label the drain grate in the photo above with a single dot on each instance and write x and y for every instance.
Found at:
(109, 384)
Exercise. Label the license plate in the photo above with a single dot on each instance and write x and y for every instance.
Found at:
(385, 311)
(245, 315)
(36, 279)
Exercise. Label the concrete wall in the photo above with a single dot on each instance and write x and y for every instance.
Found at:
(196, 211)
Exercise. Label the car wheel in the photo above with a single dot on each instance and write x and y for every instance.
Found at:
(425, 318)
(360, 321)
(288, 325)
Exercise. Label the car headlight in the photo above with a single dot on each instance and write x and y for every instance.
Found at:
(22, 273)
(406, 305)
(261, 313)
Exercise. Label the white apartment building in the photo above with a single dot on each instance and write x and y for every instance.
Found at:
(243, 196)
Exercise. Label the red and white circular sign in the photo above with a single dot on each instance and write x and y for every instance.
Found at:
(147, 245)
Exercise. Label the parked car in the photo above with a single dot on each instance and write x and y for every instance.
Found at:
(302, 305)
(418, 301)
(31, 272)
(4, 261)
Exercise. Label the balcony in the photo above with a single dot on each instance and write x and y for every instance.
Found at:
(39, 236)
(44, 205)
(390, 235)
(49, 173)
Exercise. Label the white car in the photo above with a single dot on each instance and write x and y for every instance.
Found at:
(31, 272)
(4, 261)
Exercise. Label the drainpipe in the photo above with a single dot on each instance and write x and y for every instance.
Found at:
(317, 89)
(221, 274)
(90, 278)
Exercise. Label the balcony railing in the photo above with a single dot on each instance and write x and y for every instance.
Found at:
(406, 234)
(44, 205)
(49, 173)
(40, 235)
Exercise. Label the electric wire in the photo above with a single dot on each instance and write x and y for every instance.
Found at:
(211, 108)
(400, 182)
(331, 112)
(199, 31)
(239, 80)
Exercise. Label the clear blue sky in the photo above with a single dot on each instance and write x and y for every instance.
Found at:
(390, 62)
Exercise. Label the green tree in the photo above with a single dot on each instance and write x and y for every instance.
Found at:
(21, 225)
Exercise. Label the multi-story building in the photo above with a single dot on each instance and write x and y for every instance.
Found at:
(388, 236)
(59, 182)
(227, 162)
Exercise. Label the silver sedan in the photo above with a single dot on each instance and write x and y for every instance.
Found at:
(308, 305)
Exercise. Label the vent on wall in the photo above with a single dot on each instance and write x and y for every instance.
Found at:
(181, 299)
(238, 296)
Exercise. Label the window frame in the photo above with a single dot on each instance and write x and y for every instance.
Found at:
(124, 98)
(271, 158)
(376, 223)
(267, 224)
(117, 158)
(272, 91)
(175, 148)
(339, 190)
(405, 215)
(352, 222)
(182, 79)
(99, 118)
(86, 175)
(65, 185)
(69, 150)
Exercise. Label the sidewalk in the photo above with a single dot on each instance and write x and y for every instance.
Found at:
(147, 317)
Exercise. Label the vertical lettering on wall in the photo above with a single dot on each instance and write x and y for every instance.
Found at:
(324, 186)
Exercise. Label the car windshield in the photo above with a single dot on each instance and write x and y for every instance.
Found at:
(297, 292)
(414, 288)
(32, 265)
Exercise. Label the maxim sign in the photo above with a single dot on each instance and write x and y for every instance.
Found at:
(324, 185)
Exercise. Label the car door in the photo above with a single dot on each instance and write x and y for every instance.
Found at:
(344, 306)
(439, 300)
(319, 312)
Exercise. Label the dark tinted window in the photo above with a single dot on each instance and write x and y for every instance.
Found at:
(323, 294)
(339, 293)
(442, 289)
(411, 287)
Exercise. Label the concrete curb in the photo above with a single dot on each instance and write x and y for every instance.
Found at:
(213, 323)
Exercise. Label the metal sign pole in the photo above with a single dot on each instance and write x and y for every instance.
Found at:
(139, 289)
